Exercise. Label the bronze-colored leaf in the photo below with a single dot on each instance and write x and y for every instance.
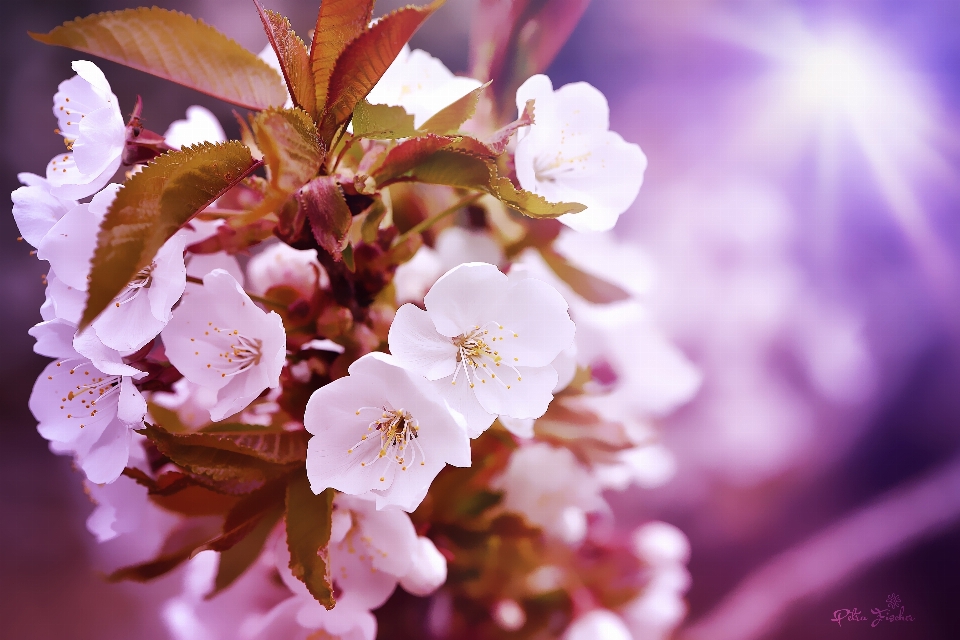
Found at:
(231, 471)
(293, 56)
(382, 122)
(338, 23)
(309, 518)
(177, 47)
(152, 206)
(270, 445)
(365, 60)
(326, 209)
(238, 558)
(288, 140)
(449, 119)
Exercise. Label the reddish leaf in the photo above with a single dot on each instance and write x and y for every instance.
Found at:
(499, 140)
(177, 47)
(325, 207)
(234, 240)
(179, 547)
(270, 445)
(364, 61)
(238, 558)
(309, 518)
(293, 57)
(338, 23)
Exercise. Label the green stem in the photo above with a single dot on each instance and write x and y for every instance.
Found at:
(429, 222)
(260, 299)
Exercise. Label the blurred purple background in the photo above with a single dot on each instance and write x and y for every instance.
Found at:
(801, 208)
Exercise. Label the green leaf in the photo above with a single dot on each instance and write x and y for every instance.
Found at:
(177, 47)
(587, 286)
(365, 60)
(454, 169)
(338, 23)
(309, 518)
(382, 122)
(151, 206)
(451, 118)
(293, 57)
(407, 155)
(325, 207)
(371, 221)
(530, 204)
(288, 140)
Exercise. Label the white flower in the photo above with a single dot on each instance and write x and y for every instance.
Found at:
(36, 209)
(487, 341)
(200, 264)
(128, 525)
(421, 84)
(660, 608)
(219, 339)
(142, 309)
(200, 126)
(454, 246)
(81, 409)
(280, 264)
(599, 624)
(90, 122)
(379, 430)
(551, 489)
(428, 571)
(570, 155)
(190, 401)
(369, 551)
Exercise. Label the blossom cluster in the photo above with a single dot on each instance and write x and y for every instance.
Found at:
(368, 366)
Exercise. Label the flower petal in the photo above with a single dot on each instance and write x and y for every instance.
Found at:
(415, 342)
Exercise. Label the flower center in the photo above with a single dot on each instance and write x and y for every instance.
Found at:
(549, 168)
(141, 281)
(478, 358)
(398, 431)
(88, 391)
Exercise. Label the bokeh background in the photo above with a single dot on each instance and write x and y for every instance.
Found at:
(801, 211)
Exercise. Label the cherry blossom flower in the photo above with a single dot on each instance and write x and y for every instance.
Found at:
(428, 569)
(219, 339)
(487, 342)
(280, 264)
(660, 608)
(379, 430)
(421, 84)
(36, 209)
(83, 410)
(89, 119)
(370, 550)
(599, 623)
(199, 126)
(128, 526)
(454, 246)
(142, 309)
(570, 154)
(551, 489)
